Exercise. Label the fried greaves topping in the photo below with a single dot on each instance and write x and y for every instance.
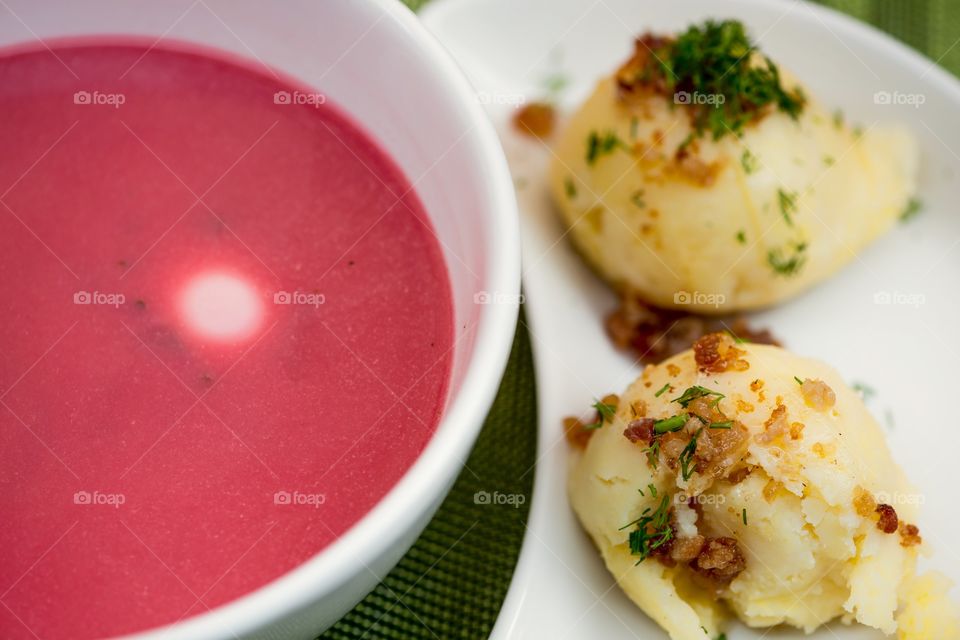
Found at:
(654, 334)
(717, 353)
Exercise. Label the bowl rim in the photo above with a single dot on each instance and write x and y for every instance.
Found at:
(426, 482)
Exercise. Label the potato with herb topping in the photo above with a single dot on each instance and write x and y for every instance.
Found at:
(741, 478)
(700, 176)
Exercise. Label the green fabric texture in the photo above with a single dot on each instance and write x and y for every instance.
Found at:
(451, 584)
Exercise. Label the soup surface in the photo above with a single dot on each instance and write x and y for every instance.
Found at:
(226, 333)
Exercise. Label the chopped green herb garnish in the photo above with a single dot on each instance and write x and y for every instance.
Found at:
(749, 161)
(634, 127)
(674, 423)
(652, 531)
(653, 490)
(570, 188)
(799, 381)
(742, 237)
(637, 199)
(692, 393)
(838, 118)
(788, 205)
(598, 145)
(788, 264)
(687, 464)
(662, 391)
(828, 160)
(744, 516)
(605, 413)
(653, 453)
(865, 391)
(912, 209)
(714, 71)
(555, 83)
(722, 425)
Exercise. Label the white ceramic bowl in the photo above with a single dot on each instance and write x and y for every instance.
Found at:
(373, 58)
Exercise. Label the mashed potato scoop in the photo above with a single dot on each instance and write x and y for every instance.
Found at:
(742, 479)
(701, 176)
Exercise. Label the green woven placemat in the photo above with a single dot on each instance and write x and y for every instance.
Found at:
(452, 582)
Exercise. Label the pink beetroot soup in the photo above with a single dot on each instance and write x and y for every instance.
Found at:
(226, 333)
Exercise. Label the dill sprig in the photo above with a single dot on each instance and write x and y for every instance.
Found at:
(652, 531)
(605, 414)
(718, 60)
(696, 391)
(687, 463)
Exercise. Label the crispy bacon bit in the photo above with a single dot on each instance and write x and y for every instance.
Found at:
(743, 406)
(718, 451)
(575, 433)
(686, 549)
(888, 522)
(655, 334)
(641, 75)
(535, 119)
(640, 431)
(716, 353)
(720, 560)
(756, 385)
(864, 503)
(909, 535)
(817, 394)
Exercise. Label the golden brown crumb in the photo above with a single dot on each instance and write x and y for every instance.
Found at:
(535, 119)
(864, 503)
(909, 535)
(673, 370)
(743, 406)
(796, 430)
(774, 427)
(817, 394)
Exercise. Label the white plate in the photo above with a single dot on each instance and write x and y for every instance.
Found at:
(906, 352)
